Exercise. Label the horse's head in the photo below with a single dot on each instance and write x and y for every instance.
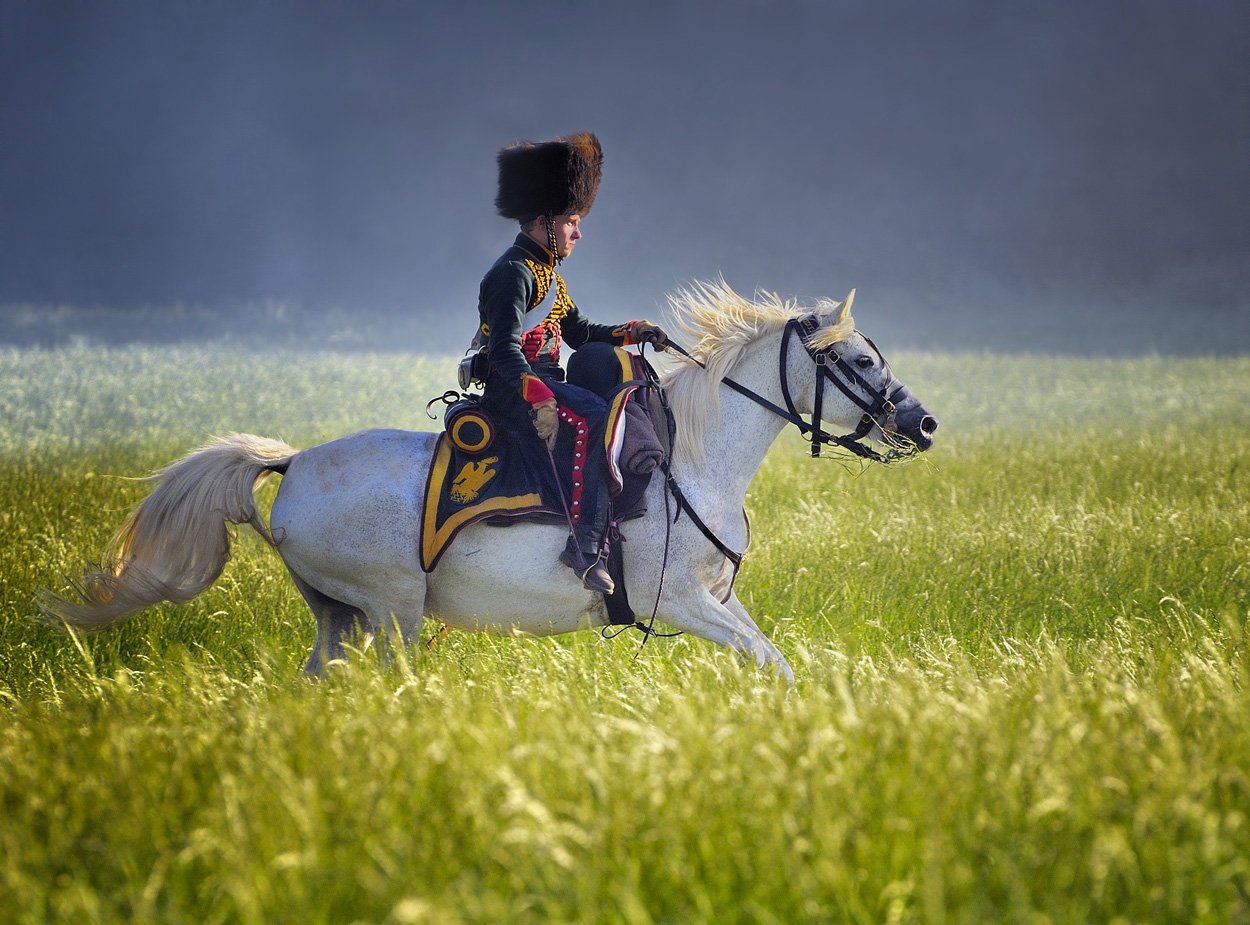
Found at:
(839, 375)
(828, 372)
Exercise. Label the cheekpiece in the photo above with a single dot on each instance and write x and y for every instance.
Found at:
(559, 177)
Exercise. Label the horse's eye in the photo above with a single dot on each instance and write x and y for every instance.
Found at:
(863, 362)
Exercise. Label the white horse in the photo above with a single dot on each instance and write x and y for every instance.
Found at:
(346, 519)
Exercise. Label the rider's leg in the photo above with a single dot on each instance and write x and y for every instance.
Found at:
(599, 368)
(584, 552)
(580, 446)
(580, 460)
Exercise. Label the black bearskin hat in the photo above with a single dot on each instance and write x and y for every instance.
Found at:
(558, 177)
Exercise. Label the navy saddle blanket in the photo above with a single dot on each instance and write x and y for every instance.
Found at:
(481, 471)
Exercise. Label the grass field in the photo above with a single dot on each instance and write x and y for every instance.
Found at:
(1023, 680)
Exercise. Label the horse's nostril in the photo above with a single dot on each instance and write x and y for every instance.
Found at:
(928, 424)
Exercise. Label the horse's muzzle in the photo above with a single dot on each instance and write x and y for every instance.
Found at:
(928, 427)
(918, 426)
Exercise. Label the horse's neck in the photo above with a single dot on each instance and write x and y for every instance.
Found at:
(735, 447)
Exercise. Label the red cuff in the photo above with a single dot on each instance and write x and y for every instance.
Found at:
(626, 333)
(534, 390)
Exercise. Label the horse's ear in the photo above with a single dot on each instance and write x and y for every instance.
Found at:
(846, 308)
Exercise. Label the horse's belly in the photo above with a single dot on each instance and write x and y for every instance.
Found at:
(507, 580)
(523, 622)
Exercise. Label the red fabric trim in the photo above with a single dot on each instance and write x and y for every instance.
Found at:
(534, 390)
(541, 342)
(627, 333)
(578, 423)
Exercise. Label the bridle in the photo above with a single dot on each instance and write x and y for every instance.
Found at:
(879, 407)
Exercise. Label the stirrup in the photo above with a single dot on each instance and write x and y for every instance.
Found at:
(596, 578)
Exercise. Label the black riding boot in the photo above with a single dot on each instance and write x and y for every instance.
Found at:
(582, 553)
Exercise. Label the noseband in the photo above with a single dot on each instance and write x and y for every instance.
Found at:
(879, 408)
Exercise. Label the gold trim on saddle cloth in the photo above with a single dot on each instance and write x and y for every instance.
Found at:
(435, 537)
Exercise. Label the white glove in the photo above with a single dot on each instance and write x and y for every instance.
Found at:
(547, 422)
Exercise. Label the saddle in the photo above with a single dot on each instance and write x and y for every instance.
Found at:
(480, 471)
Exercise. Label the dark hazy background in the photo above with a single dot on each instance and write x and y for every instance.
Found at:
(1051, 176)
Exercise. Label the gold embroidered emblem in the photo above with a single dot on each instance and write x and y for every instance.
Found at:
(472, 479)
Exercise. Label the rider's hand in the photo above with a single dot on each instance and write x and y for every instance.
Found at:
(547, 422)
(645, 332)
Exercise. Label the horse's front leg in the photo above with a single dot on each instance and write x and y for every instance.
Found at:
(734, 606)
(730, 625)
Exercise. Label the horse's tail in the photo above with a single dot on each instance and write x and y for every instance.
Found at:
(175, 543)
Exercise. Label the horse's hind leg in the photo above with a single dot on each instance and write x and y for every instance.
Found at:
(336, 621)
(396, 627)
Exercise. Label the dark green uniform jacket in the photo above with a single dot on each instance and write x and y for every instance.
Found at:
(521, 339)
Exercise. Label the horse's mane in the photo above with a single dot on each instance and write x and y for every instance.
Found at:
(720, 325)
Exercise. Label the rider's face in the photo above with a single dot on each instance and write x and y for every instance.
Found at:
(567, 230)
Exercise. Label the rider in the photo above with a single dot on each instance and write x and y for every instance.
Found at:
(549, 187)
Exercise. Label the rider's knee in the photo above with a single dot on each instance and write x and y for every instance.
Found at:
(598, 367)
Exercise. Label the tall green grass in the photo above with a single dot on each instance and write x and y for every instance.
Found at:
(1022, 689)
